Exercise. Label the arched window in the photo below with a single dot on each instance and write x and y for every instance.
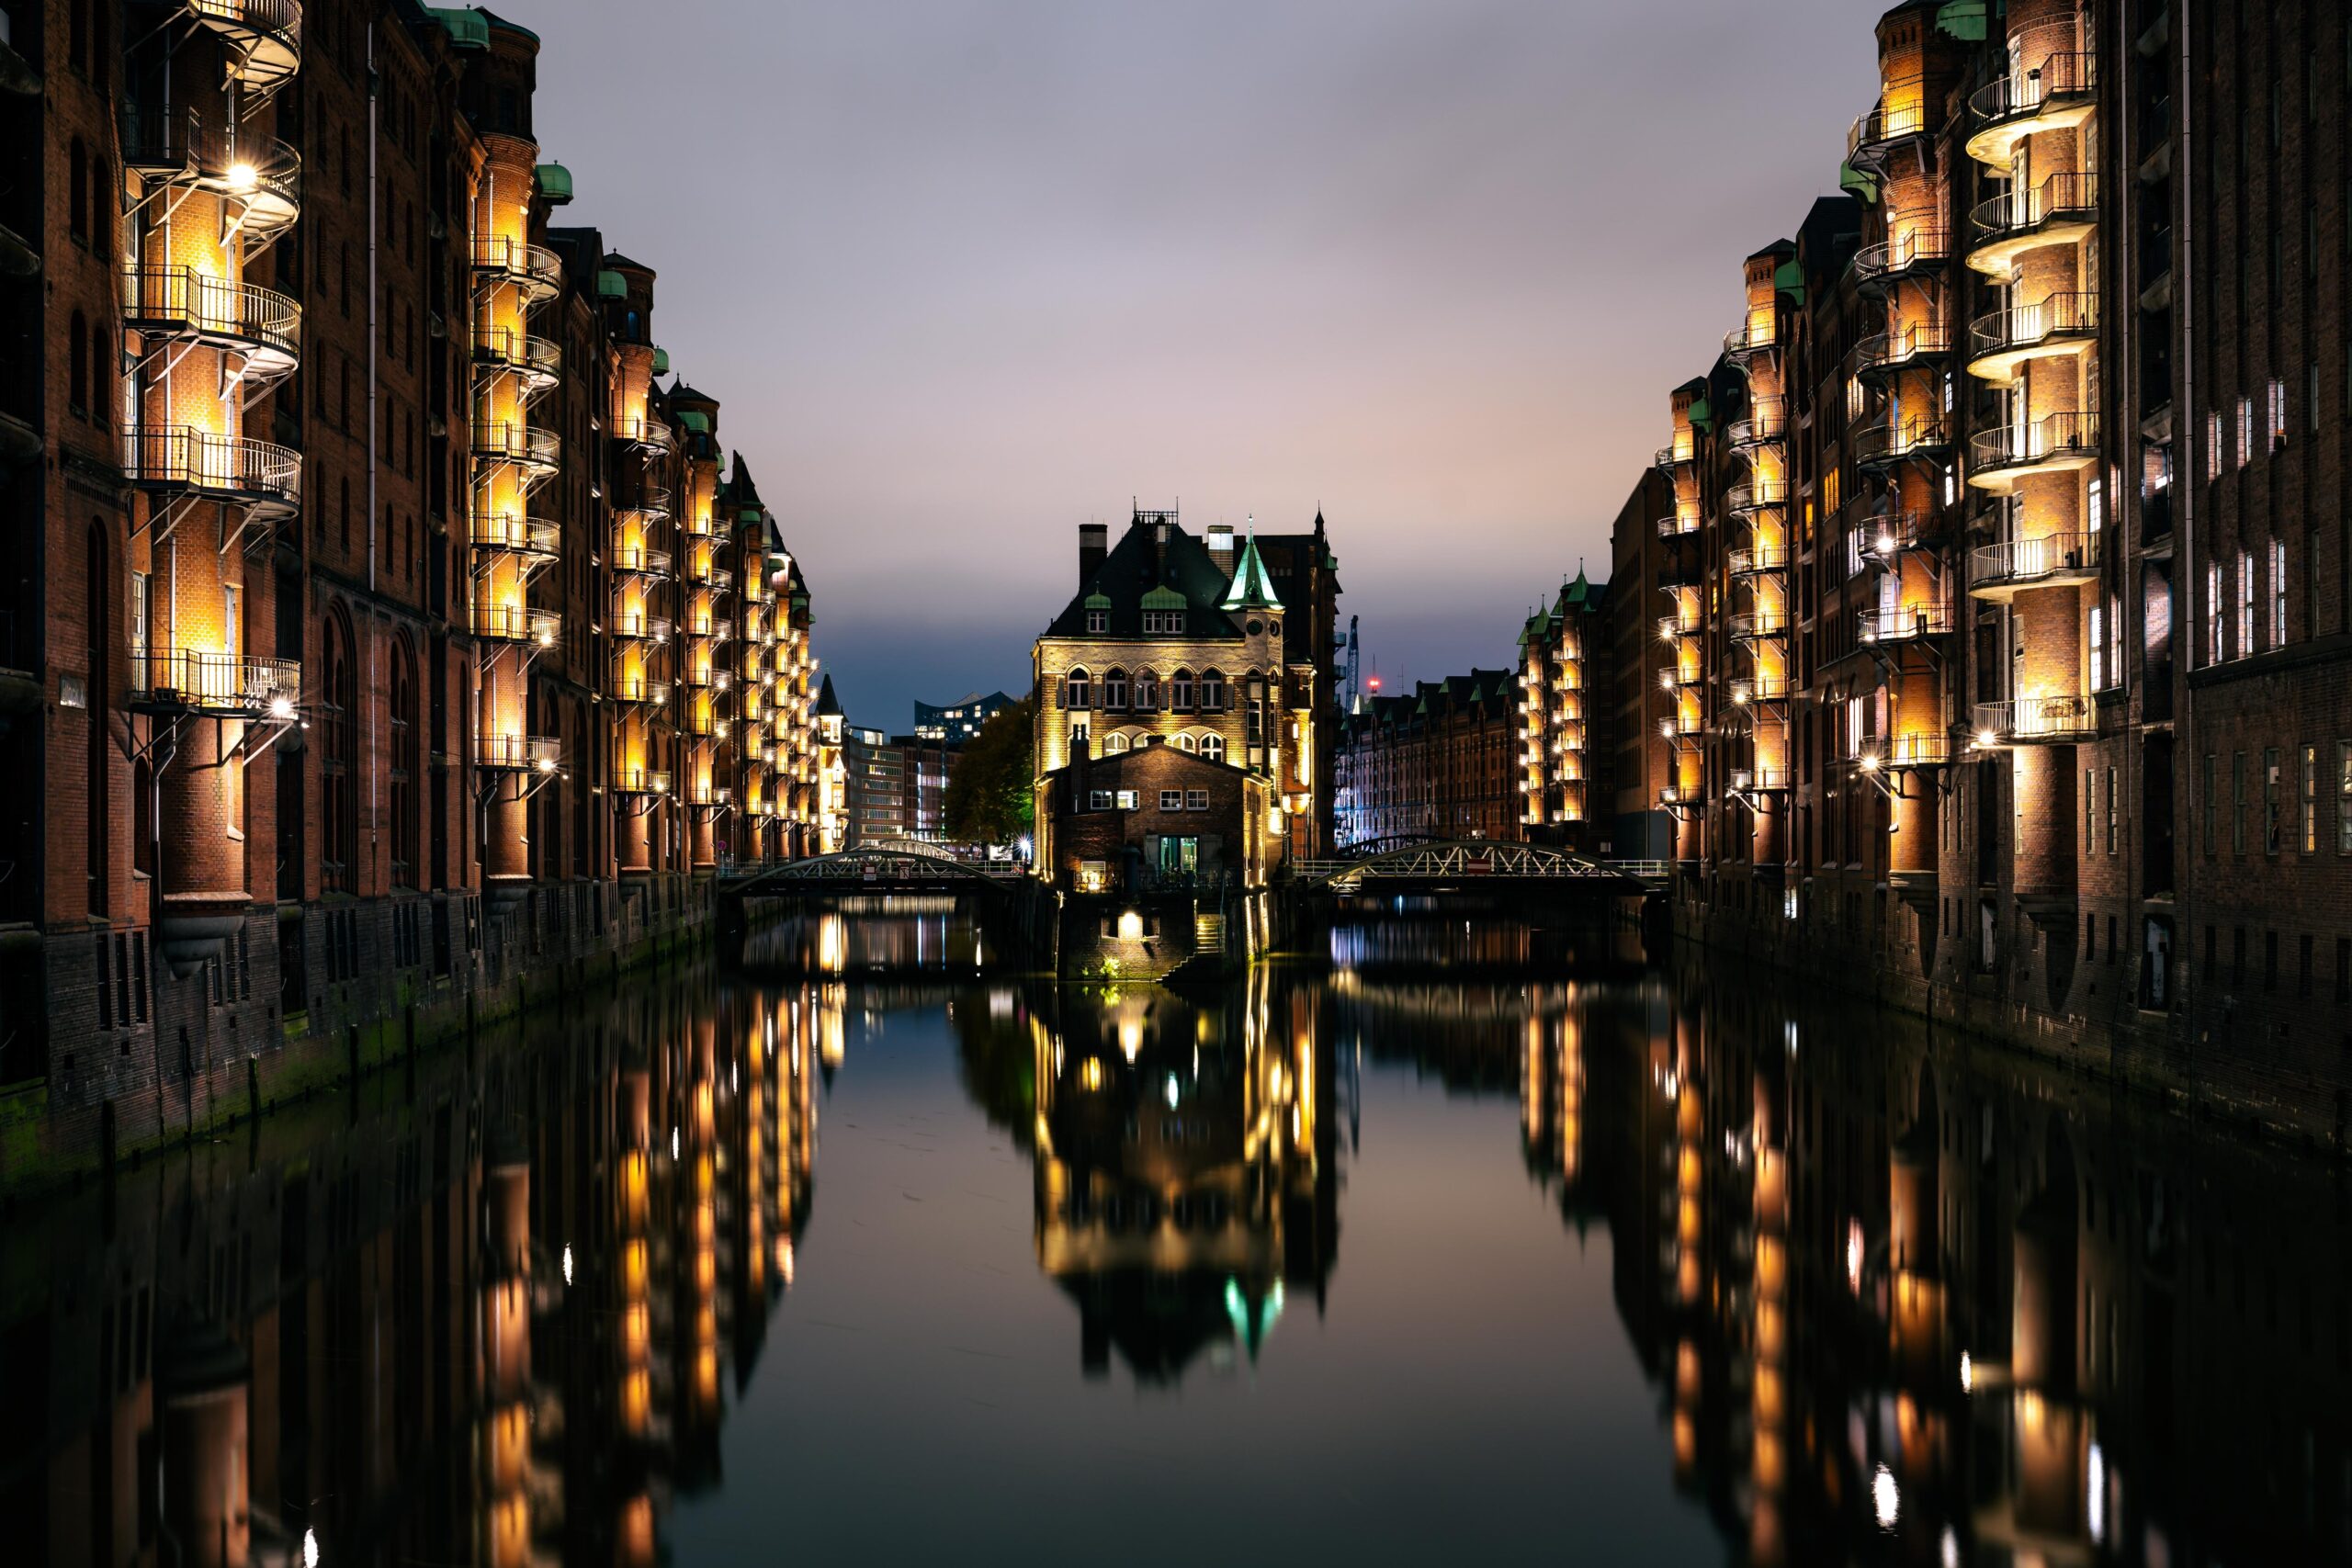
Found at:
(1114, 688)
(1115, 742)
(406, 768)
(1213, 747)
(1212, 690)
(339, 761)
(1179, 691)
(77, 365)
(1186, 743)
(1147, 691)
(1078, 689)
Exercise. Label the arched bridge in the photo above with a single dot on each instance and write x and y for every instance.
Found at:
(1431, 865)
(892, 865)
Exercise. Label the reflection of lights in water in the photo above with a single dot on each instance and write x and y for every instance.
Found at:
(1854, 1253)
(1967, 1373)
(1951, 1549)
(1789, 1033)
(673, 1143)
(1171, 1091)
(1090, 1073)
(2095, 1489)
(1131, 1037)
(567, 1263)
(1884, 1498)
(310, 1548)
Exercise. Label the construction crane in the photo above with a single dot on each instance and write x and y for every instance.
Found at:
(1348, 673)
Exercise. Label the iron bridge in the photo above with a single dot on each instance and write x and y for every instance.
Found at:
(888, 865)
(1472, 861)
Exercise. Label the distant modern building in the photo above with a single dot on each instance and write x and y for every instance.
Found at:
(875, 768)
(924, 783)
(960, 720)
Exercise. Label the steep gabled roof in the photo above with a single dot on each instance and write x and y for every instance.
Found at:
(828, 703)
(1183, 577)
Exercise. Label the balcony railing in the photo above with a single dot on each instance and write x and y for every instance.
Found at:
(1672, 626)
(518, 753)
(638, 627)
(521, 535)
(262, 176)
(1750, 626)
(1678, 525)
(2062, 203)
(1886, 537)
(261, 324)
(2058, 91)
(2054, 440)
(225, 686)
(634, 779)
(1921, 749)
(1903, 623)
(2005, 337)
(1752, 781)
(1996, 570)
(539, 360)
(2030, 719)
(514, 442)
(1764, 687)
(535, 269)
(651, 501)
(645, 431)
(1750, 339)
(1887, 123)
(1681, 449)
(1885, 353)
(517, 623)
(637, 688)
(1757, 494)
(1910, 250)
(265, 38)
(260, 475)
(1766, 421)
(1753, 559)
(639, 561)
(1884, 441)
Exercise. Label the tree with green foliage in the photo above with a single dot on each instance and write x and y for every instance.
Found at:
(989, 789)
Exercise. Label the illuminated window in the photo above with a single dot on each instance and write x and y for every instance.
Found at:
(1077, 690)
(2277, 592)
(2343, 797)
(1213, 747)
(2311, 800)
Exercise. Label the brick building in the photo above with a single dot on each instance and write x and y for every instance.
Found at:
(1221, 649)
(1158, 817)
(1568, 758)
(2008, 585)
(1638, 675)
(1441, 762)
(382, 631)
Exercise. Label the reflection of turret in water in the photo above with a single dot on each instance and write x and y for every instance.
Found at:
(1185, 1168)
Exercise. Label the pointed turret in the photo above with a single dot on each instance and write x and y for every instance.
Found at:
(827, 704)
(1253, 585)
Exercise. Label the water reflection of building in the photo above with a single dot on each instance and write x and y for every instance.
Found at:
(489, 1321)
(1903, 1305)
(1186, 1163)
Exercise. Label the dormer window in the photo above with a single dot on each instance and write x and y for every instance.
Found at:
(1098, 621)
(1163, 622)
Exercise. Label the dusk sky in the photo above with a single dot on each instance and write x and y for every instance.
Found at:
(965, 274)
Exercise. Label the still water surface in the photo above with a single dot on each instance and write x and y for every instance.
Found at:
(1331, 1268)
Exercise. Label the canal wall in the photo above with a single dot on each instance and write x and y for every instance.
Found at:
(306, 999)
(2202, 1056)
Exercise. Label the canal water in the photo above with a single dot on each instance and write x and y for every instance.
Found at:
(863, 1256)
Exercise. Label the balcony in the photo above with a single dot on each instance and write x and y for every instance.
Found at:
(1672, 626)
(1764, 687)
(635, 779)
(636, 626)
(261, 476)
(2035, 720)
(1757, 495)
(1765, 425)
(1759, 781)
(540, 539)
(1750, 340)
(536, 360)
(2062, 208)
(518, 624)
(180, 302)
(712, 795)
(635, 560)
(2005, 339)
(1679, 526)
(540, 451)
(1900, 115)
(2000, 572)
(636, 689)
(1888, 353)
(1884, 538)
(2056, 442)
(263, 38)
(718, 580)
(535, 271)
(1884, 442)
(651, 502)
(1682, 449)
(518, 753)
(1921, 749)
(1877, 626)
(214, 685)
(1910, 251)
(644, 432)
(2056, 94)
(1756, 559)
(1755, 625)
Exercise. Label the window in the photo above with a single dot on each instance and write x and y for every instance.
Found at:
(1097, 800)
(2100, 681)
(2237, 803)
(2113, 816)
(2245, 604)
(1115, 689)
(2245, 431)
(1187, 743)
(1213, 747)
(2270, 800)
(2090, 811)
(1127, 800)
(2278, 397)
(1196, 800)
(1115, 742)
(1098, 621)
(2277, 592)
(2311, 800)
(2212, 785)
(1171, 800)
(1180, 691)
(1212, 690)
(2343, 797)
(2212, 446)
(1146, 690)
(1077, 690)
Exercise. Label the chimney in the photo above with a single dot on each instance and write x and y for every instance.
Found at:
(1093, 543)
(1220, 544)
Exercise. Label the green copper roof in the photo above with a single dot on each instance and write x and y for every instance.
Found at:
(555, 184)
(660, 362)
(1097, 601)
(1789, 278)
(467, 29)
(1164, 598)
(1701, 414)
(1964, 19)
(749, 514)
(1863, 185)
(611, 285)
(1253, 586)
(696, 420)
